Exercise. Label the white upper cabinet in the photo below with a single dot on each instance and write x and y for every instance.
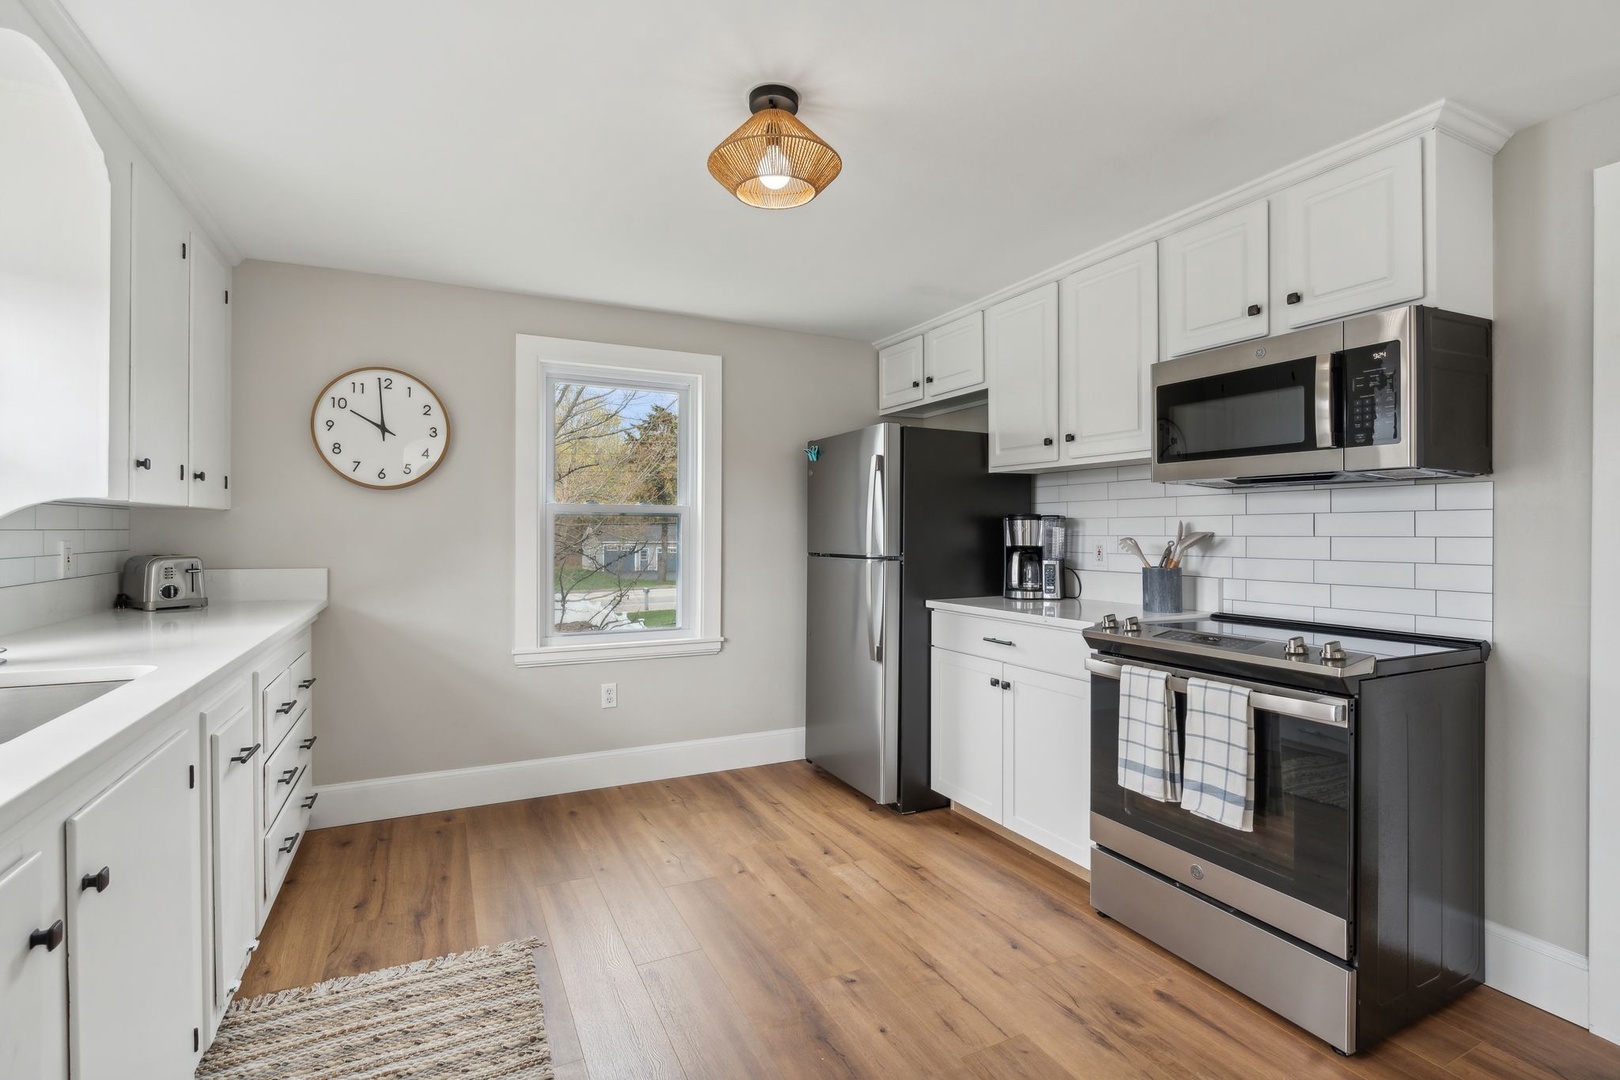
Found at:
(55, 304)
(1213, 280)
(953, 357)
(1351, 239)
(900, 374)
(1021, 353)
(159, 345)
(209, 466)
(1108, 341)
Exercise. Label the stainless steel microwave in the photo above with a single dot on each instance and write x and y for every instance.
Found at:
(1395, 395)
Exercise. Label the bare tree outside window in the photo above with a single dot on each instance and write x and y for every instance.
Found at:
(615, 568)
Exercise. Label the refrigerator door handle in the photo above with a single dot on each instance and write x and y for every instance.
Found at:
(876, 601)
(876, 528)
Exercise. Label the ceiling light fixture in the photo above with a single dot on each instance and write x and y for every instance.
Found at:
(773, 161)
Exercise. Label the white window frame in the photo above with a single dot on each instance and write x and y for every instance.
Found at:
(541, 359)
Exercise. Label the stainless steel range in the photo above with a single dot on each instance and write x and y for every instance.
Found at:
(1354, 906)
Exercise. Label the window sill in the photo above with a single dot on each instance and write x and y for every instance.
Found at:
(602, 652)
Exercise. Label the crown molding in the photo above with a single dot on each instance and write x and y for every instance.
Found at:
(1445, 116)
(65, 34)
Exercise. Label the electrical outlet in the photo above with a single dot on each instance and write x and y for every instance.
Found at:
(1099, 557)
(610, 695)
(64, 559)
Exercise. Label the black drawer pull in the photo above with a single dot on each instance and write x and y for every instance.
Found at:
(287, 777)
(1000, 641)
(915, 384)
(1046, 441)
(247, 754)
(307, 743)
(1068, 438)
(51, 938)
(307, 683)
(287, 706)
(98, 881)
(290, 843)
(1254, 309)
(1294, 298)
(309, 801)
(143, 463)
(929, 379)
(199, 476)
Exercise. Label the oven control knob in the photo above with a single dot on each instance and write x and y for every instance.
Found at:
(1132, 626)
(1197, 872)
(1333, 652)
(1110, 624)
(1295, 649)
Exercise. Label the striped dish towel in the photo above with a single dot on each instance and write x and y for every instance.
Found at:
(1220, 754)
(1148, 764)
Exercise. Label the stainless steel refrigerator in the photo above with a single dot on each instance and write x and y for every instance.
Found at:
(897, 516)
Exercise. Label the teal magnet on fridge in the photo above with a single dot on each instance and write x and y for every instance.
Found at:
(812, 452)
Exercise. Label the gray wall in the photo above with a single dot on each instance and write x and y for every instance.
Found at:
(1536, 756)
(413, 655)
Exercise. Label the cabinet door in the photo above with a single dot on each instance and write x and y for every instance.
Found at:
(1351, 239)
(209, 465)
(965, 721)
(1020, 347)
(134, 963)
(1214, 281)
(159, 345)
(900, 374)
(953, 357)
(233, 762)
(33, 970)
(1108, 340)
(1048, 762)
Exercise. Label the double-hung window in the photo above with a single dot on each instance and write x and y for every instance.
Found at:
(618, 502)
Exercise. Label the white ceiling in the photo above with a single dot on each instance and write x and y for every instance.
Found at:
(559, 148)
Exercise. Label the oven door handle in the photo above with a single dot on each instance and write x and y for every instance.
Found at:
(1332, 712)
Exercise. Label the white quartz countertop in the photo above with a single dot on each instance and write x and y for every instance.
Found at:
(1057, 614)
(166, 655)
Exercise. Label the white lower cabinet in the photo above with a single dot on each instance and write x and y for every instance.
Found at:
(233, 758)
(33, 965)
(134, 906)
(1010, 742)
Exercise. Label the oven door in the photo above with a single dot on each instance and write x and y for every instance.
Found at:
(1250, 411)
(1294, 870)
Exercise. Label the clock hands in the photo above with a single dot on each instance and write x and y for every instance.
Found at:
(381, 424)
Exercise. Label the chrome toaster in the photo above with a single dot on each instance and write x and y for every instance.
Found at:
(161, 582)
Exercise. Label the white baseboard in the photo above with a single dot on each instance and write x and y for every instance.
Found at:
(426, 793)
(1545, 975)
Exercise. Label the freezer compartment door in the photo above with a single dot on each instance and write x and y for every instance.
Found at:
(852, 673)
(854, 503)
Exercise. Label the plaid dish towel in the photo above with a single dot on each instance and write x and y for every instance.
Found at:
(1220, 754)
(1148, 764)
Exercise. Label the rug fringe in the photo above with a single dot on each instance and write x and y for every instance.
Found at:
(365, 978)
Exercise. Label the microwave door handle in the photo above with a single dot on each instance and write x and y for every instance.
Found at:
(1324, 401)
(1311, 710)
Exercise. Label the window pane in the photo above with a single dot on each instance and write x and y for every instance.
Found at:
(615, 444)
(615, 573)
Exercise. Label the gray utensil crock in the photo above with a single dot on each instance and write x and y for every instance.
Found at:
(1161, 590)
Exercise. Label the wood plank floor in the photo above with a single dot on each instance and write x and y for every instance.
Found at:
(770, 924)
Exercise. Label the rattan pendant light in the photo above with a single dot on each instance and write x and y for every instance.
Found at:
(773, 161)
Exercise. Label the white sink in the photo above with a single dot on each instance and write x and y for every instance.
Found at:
(29, 699)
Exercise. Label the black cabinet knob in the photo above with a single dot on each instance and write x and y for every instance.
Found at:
(915, 384)
(51, 938)
(98, 881)
(246, 754)
(1294, 298)
(1046, 442)
(143, 463)
(929, 379)
(1068, 438)
(995, 682)
(1005, 685)
(1254, 309)
(199, 476)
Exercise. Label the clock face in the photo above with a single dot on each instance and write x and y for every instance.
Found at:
(380, 427)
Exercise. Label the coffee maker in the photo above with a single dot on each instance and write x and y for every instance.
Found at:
(1021, 557)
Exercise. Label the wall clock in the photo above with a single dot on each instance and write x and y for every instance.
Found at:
(380, 427)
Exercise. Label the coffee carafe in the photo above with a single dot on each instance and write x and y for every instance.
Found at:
(1021, 557)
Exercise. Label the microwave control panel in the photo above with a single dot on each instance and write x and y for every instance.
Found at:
(1372, 394)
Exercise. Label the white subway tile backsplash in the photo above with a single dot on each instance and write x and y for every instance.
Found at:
(1464, 549)
(16, 543)
(1476, 579)
(30, 539)
(1476, 495)
(16, 572)
(95, 517)
(1454, 523)
(20, 519)
(56, 516)
(1401, 556)
(105, 540)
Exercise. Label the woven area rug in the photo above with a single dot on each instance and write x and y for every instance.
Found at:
(470, 1016)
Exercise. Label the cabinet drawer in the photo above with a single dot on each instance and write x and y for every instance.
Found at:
(278, 710)
(1060, 652)
(301, 680)
(281, 840)
(281, 768)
